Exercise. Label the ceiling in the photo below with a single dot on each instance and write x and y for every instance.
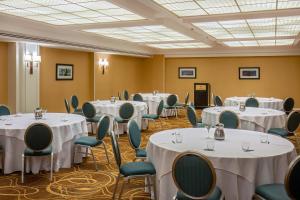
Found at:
(170, 27)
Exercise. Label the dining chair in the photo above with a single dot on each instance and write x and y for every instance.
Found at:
(67, 105)
(119, 96)
(218, 101)
(132, 170)
(156, 116)
(287, 191)
(134, 136)
(252, 102)
(171, 104)
(192, 117)
(194, 177)
(126, 95)
(137, 97)
(291, 126)
(89, 142)
(229, 119)
(126, 111)
(89, 112)
(186, 101)
(288, 105)
(4, 110)
(38, 140)
(75, 104)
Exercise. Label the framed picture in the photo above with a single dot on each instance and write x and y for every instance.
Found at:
(250, 73)
(187, 72)
(64, 72)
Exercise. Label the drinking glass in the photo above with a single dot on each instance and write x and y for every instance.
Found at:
(245, 146)
(207, 126)
(178, 137)
(210, 145)
(264, 138)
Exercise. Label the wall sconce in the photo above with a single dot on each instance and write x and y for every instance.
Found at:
(30, 60)
(103, 63)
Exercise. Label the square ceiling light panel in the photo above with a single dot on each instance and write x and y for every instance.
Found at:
(251, 43)
(142, 34)
(65, 12)
(185, 8)
(193, 45)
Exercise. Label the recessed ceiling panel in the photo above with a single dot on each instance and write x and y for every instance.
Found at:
(155, 33)
(65, 12)
(180, 45)
(251, 43)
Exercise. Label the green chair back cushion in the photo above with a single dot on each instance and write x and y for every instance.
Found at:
(126, 111)
(103, 127)
(171, 100)
(74, 101)
(193, 176)
(88, 110)
(229, 119)
(288, 104)
(218, 101)
(293, 121)
(126, 95)
(160, 107)
(137, 97)
(293, 180)
(192, 115)
(251, 102)
(134, 134)
(116, 149)
(38, 137)
(67, 105)
(4, 110)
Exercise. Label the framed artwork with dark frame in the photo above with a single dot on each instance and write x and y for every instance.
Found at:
(64, 72)
(187, 72)
(249, 73)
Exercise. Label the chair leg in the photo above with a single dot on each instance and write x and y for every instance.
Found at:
(51, 167)
(149, 185)
(105, 152)
(154, 186)
(23, 165)
(86, 151)
(122, 187)
(116, 186)
(92, 128)
(74, 154)
(94, 159)
(161, 124)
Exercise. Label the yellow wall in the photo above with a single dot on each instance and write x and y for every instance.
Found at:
(53, 92)
(3, 72)
(124, 72)
(279, 76)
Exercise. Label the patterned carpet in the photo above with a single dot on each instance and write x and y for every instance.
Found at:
(82, 181)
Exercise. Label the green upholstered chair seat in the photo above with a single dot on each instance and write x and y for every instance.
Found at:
(137, 168)
(88, 141)
(278, 131)
(200, 125)
(94, 119)
(215, 195)
(199, 120)
(180, 105)
(272, 192)
(169, 107)
(45, 152)
(120, 120)
(140, 153)
(150, 116)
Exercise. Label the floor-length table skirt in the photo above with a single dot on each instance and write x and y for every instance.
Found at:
(237, 175)
(106, 107)
(255, 119)
(272, 103)
(65, 127)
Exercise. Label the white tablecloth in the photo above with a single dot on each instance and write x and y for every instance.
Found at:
(153, 102)
(255, 119)
(238, 172)
(272, 103)
(112, 109)
(65, 127)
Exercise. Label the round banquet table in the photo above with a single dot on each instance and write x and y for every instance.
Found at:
(272, 103)
(153, 102)
(112, 110)
(255, 119)
(65, 128)
(238, 172)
